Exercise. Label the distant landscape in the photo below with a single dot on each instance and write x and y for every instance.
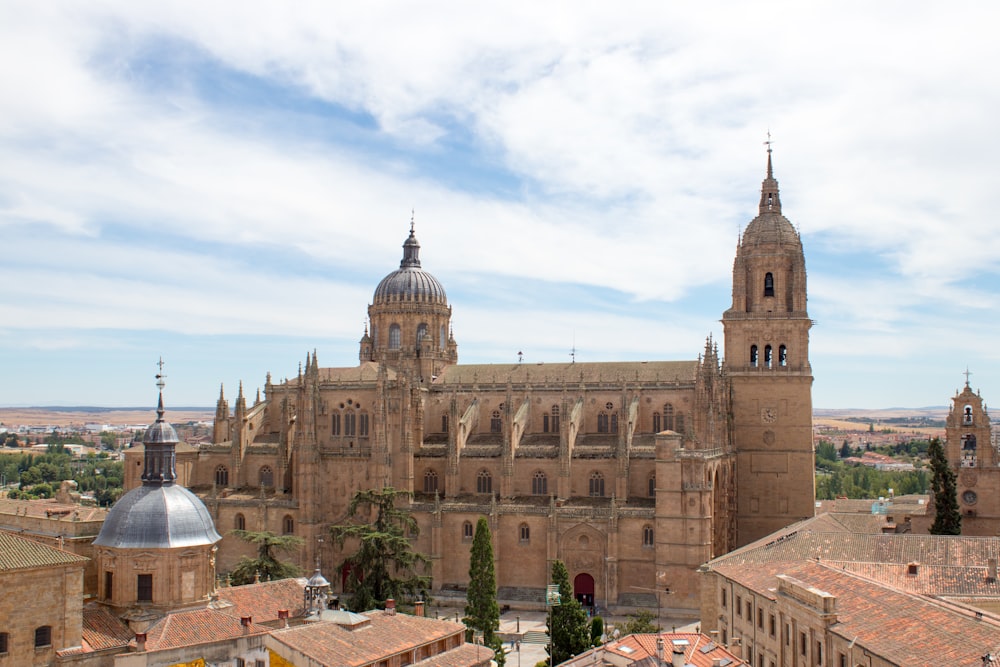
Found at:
(842, 419)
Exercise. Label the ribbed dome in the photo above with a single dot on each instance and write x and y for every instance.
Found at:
(409, 282)
(158, 517)
(771, 228)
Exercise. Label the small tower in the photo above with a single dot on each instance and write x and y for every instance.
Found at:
(970, 451)
(156, 549)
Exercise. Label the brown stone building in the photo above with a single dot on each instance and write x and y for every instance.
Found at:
(632, 473)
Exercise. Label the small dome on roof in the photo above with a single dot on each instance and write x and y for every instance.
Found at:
(409, 282)
(158, 517)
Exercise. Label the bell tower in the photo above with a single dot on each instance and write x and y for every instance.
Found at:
(767, 359)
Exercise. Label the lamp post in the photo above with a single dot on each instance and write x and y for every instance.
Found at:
(552, 600)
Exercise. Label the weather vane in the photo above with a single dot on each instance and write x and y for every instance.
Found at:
(159, 376)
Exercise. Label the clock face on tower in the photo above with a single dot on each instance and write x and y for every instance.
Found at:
(769, 415)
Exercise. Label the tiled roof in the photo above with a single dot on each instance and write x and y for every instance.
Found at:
(461, 656)
(388, 634)
(939, 580)
(18, 553)
(200, 626)
(640, 650)
(102, 630)
(903, 628)
(51, 509)
(612, 371)
(262, 601)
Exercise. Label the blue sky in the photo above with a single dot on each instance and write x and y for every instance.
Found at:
(224, 184)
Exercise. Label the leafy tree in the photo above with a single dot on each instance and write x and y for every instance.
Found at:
(596, 630)
(845, 450)
(947, 518)
(385, 564)
(640, 622)
(568, 624)
(826, 451)
(482, 612)
(266, 564)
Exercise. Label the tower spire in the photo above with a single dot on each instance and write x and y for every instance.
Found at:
(159, 443)
(770, 201)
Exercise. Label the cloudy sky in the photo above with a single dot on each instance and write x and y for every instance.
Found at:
(224, 184)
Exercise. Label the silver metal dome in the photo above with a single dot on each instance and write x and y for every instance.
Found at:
(158, 517)
(409, 282)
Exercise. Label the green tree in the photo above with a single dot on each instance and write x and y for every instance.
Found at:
(640, 622)
(947, 518)
(845, 450)
(482, 612)
(385, 564)
(568, 624)
(826, 451)
(266, 564)
(596, 630)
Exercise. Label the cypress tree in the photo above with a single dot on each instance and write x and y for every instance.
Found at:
(947, 517)
(569, 627)
(482, 612)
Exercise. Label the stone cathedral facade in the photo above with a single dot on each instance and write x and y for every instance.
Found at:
(631, 473)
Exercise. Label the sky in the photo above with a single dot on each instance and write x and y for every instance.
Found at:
(223, 184)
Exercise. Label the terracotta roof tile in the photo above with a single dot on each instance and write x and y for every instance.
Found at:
(263, 601)
(103, 630)
(699, 650)
(200, 626)
(18, 553)
(613, 371)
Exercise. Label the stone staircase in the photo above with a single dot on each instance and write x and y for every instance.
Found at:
(535, 637)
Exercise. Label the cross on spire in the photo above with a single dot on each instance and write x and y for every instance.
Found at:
(967, 373)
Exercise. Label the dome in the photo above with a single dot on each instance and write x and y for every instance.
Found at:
(772, 229)
(409, 282)
(158, 517)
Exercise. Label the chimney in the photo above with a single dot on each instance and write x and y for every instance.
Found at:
(418, 606)
(677, 659)
(991, 571)
(283, 616)
(390, 606)
(140, 641)
(716, 662)
(245, 622)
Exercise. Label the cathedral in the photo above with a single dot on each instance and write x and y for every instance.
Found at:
(631, 473)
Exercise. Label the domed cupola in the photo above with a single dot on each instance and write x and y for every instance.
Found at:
(410, 319)
(770, 227)
(409, 282)
(157, 531)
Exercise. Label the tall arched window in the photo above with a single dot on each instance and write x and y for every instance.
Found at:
(484, 482)
(240, 523)
(394, 337)
(335, 424)
(647, 536)
(768, 357)
(782, 355)
(222, 476)
(444, 423)
(539, 484)
(753, 355)
(374, 336)
(350, 422)
(363, 424)
(467, 531)
(597, 485)
(496, 424)
(656, 422)
(525, 532)
(441, 338)
(288, 525)
(668, 417)
(651, 485)
(679, 423)
(768, 284)
(421, 332)
(266, 476)
(430, 481)
(602, 422)
(555, 419)
(614, 422)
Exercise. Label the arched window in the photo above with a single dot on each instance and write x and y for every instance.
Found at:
(668, 417)
(430, 481)
(656, 422)
(394, 337)
(467, 530)
(782, 355)
(753, 356)
(441, 338)
(266, 476)
(421, 332)
(350, 422)
(555, 419)
(484, 482)
(546, 424)
(679, 423)
(43, 636)
(539, 484)
(614, 422)
(602, 422)
(768, 284)
(363, 425)
(444, 423)
(374, 336)
(647, 536)
(967, 415)
(335, 424)
(240, 523)
(597, 485)
(525, 531)
(651, 485)
(495, 422)
(768, 357)
(222, 476)
(287, 525)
